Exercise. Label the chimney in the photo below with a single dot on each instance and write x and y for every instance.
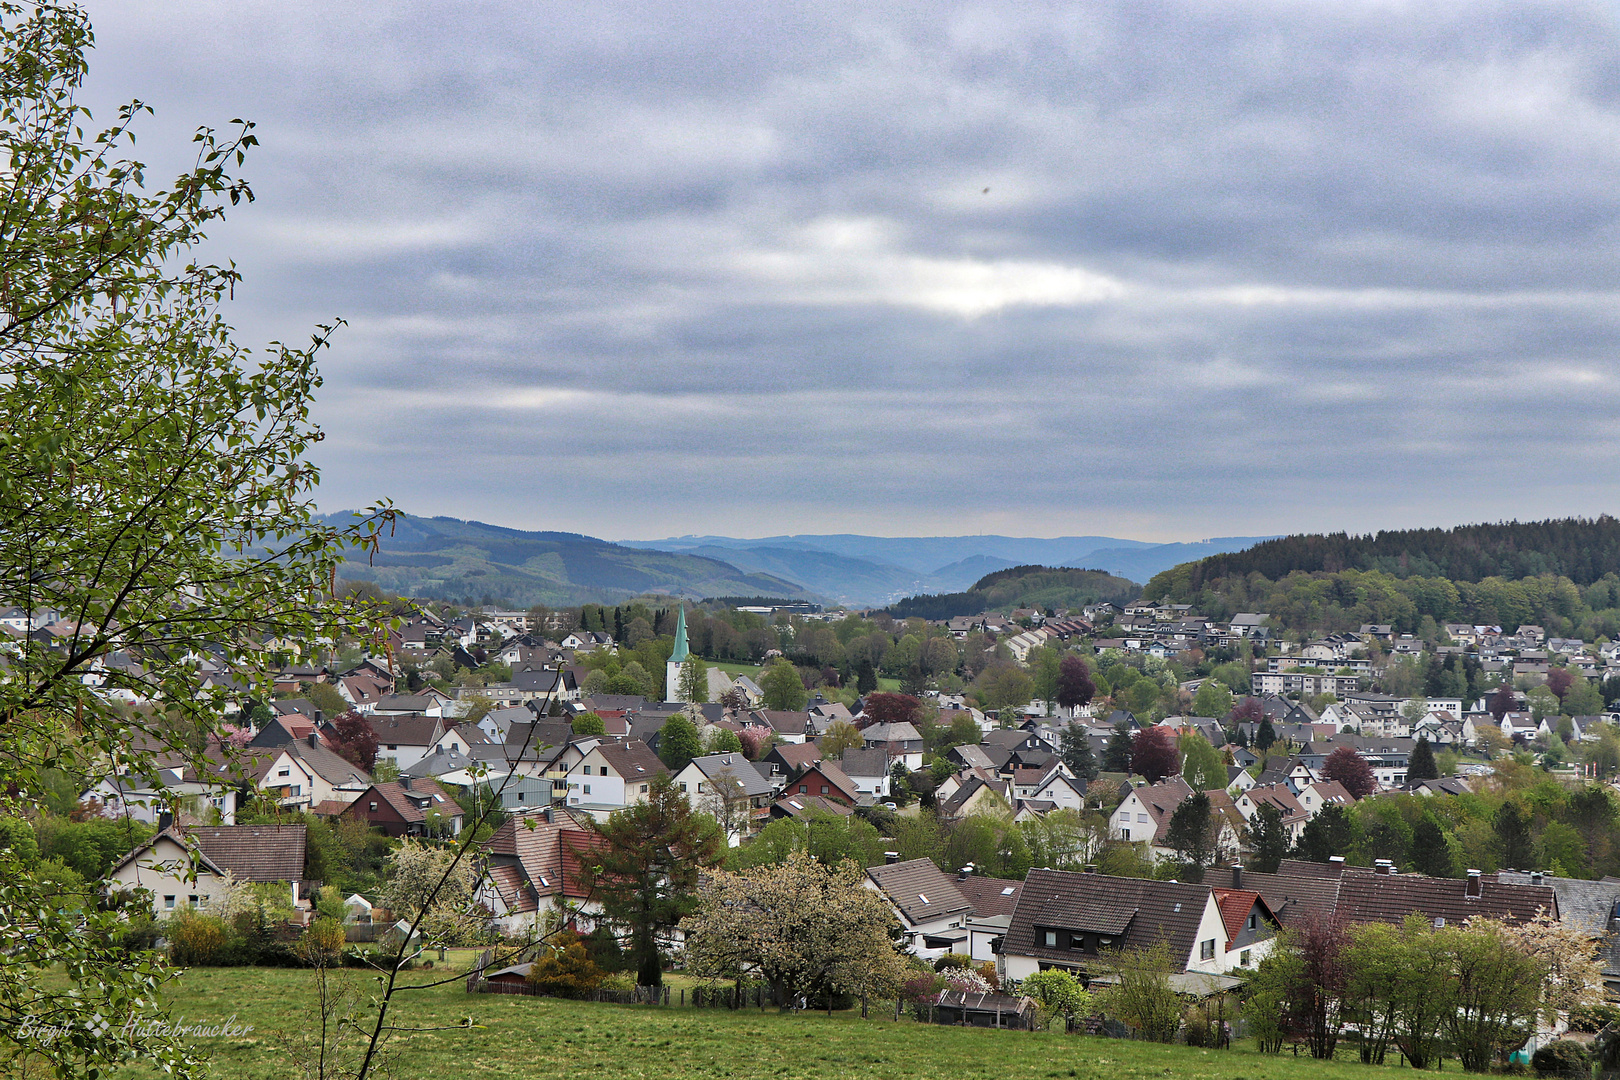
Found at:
(1383, 866)
(965, 872)
(1090, 868)
(405, 782)
(165, 820)
(1474, 880)
(314, 738)
(1535, 877)
(319, 717)
(891, 857)
(1237, 875)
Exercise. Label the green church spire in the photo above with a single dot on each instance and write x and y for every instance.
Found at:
(681, 651)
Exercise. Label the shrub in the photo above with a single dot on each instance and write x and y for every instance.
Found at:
(921, 988)
(617, 983)
(138, 934)
(566, 970)
(1055, 993)
(196, 940)
(967, 981)
(1565, 1057)
(953, 960)
(322, 942)
(1197, 1028)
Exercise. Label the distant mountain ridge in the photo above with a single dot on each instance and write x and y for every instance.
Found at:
(871, 571)
(443, 558)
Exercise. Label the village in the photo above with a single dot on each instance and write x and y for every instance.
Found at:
(1111, 826)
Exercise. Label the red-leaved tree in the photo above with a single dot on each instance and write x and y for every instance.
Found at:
(1350, 769)
(1312, 1012)
(1502, 702)
(1074, 685)
(1559, 680)
(1154, 754)
(883, 707)
(354, 739)
(1248, 711)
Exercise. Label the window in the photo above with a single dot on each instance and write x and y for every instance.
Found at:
(168, 902)
(825, 789)
(683, 785)
(1206, 949)
(1243, 958)
(1141, 819)
(393, 746)
(298, 789)
(804, 789)
(1127, 834)
(373, 807)
(1051, 939)
(644, 789)
(284, 772)
(192, 899)
(587, 789)
(1254, 921)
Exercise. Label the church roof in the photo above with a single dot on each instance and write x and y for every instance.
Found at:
(681, 651)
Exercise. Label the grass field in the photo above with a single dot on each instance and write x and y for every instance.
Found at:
(537, 1038)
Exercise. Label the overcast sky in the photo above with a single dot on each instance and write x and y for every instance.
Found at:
(1149, 270)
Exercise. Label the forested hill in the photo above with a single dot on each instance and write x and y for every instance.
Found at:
(1563, 575)
(444, 558)
(1580, 549)
(1020, 587)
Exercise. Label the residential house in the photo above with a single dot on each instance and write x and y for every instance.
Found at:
(1077, 922)
(175, 873)
(902, 742)
(409, 807)
(729, 789)
(932, 911)
(975, 794)
(868, 766)
(1146, 808)
(828, 781)
(531, 873)
(1279, 796)
(407, 738)
(612, 776)
(305, 773)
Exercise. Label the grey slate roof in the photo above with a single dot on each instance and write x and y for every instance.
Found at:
(922, 891)
(734, 764)
(869, 761)
(1138, 912)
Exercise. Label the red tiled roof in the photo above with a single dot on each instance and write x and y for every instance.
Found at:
(1235, 905)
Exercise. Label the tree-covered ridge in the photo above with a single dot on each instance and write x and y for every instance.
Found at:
(1341, 601)
(443, 558)
(1021, 587)
(1580, 549)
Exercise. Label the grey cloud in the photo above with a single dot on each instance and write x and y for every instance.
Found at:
(730, 269)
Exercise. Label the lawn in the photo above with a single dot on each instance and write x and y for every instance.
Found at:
(536, 1038)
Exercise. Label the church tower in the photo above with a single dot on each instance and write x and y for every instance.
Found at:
(672, 676)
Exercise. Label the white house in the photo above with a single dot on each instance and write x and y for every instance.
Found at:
(612, 776)
(1077, 922)
(932, 911)
(729, 788)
